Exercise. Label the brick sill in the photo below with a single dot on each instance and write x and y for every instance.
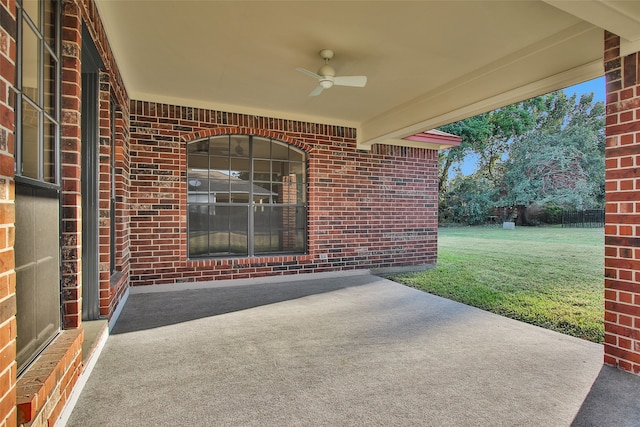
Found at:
(48, 374)
(117, 279)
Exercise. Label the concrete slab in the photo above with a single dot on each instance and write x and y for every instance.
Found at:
(354, 350)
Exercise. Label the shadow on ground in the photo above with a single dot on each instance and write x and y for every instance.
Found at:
(614, 400)
(158, 309)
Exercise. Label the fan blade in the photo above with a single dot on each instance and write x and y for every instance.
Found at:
(317, 91)
(354, 81)
(308, 73)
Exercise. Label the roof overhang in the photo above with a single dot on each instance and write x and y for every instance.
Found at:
(428, 63)
(434, 139)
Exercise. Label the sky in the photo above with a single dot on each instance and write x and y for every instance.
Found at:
(597, 86)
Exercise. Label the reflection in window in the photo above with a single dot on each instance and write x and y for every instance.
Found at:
(29, 132)
(246, 195)
(30, 62)
(37, 90)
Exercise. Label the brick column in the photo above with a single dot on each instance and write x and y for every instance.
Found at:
(70, 165)
(105, 193)
(8, 366)
(622, 218)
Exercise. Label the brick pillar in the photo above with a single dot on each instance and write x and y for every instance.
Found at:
(105, 193)
(70, 165)
(8, 366)
(622, 218)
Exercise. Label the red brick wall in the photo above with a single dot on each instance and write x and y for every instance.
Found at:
(111, 88)
(118, 287)
(70, 166)
(8, 365)
(622, 229)
(373, 209)
(104, 193)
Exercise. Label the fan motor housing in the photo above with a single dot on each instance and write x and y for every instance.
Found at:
(326, 70)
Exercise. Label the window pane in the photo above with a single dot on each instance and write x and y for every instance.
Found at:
(239, 223)
(239, 168)
(301, 193)
(49, 150)
(279, 151)
(219, 179)
(262, 193)
(50, 65)
(198, 187)
(197, 181)
(295, 236)
(229, 227)
(198, 230)
(49, 30)
(279, 229)
(238, 196)
(199, 147)
(30, 150)
(262, 170)
(220, 164)
(219, 146)
(298, 169)
(288, 193)
(239, 146)
(198, 198)
(262, 229)
(261, 148)
(198, 162)
(279, 169)
(30, 63)
(219, 226)
(296, 155)
(240, 180)
(198, 178)
(31, 8)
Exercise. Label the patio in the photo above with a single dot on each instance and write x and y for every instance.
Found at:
(330, 349)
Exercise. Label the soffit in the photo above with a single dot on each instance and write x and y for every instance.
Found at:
(619, 17)
(428, 62)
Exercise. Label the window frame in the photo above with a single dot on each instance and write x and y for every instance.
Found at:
(19, 95)
(233, 199)
(43, 187)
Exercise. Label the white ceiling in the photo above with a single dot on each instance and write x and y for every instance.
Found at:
(428, 62)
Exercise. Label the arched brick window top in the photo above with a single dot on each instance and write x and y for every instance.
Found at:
(246, 195)
(188, 138)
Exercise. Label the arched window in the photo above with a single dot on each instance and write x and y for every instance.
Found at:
(246, 195)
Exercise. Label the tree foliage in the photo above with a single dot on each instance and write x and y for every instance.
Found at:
(547, 150)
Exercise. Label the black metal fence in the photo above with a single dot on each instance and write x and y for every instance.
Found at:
(588, 218)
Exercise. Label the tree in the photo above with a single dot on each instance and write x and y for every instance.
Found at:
(506, 125)
(548, 149)
(472, 131)
(565, 167)
(488, 136)
(562, 159)
(550, 173)
(470, 200)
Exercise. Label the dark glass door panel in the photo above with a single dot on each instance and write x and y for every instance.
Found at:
(37, 269)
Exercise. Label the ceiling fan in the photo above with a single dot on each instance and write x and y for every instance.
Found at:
(327, 78)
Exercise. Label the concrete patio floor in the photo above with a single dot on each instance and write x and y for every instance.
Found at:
(349, 350)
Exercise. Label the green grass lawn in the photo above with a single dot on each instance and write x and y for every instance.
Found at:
(547, 276)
